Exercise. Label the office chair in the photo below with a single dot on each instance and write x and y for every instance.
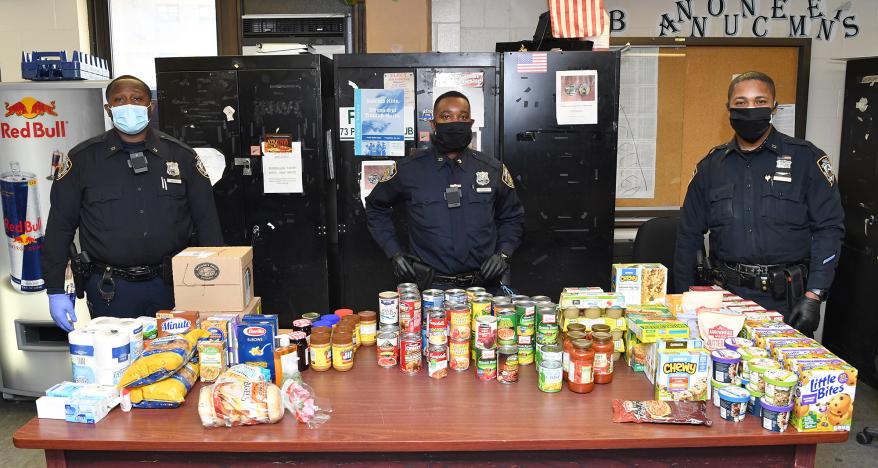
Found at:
(656, 241)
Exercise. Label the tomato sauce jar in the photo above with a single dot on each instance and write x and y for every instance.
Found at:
(580, 375)
(603, 357)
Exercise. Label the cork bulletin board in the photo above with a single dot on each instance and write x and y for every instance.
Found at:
(693, 79)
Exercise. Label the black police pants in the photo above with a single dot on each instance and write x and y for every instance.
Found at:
(132, 299)
(490, 289)
(765, 299)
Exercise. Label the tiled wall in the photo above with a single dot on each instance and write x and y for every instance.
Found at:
(476, 25)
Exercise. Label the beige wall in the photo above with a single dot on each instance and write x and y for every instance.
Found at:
(41, 25)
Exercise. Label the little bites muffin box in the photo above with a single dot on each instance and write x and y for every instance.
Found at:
(824, 398)
(641, 283)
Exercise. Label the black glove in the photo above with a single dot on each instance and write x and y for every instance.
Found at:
(494, 267)
(403, 268)
(805, 315)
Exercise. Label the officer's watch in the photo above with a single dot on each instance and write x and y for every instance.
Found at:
(821, 294)
(505, 257)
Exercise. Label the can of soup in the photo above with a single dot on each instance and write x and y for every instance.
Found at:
(410, 353)
(458, 355)
(410, 313)
(387, 349)
(486, 364)
(486, 332)
(388, 308)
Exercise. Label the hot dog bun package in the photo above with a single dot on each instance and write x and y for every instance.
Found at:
(241, 396)
(162, 358)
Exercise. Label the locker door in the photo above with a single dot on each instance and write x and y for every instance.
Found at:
(191, 109)
(288, 230)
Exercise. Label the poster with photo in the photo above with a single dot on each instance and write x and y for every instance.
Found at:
(576, 101)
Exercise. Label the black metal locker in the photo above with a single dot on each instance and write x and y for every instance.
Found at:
(565, 175)
(278, 94)
(364, 270)
(851, 322)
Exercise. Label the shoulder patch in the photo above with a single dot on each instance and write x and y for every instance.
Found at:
(200, 166)
(506, 177)
(389, 173)
(64, 166)
(826, 168)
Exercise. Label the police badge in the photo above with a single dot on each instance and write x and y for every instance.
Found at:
(173, 169)
(482, 178)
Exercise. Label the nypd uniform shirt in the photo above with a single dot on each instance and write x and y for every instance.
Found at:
(778, 204)
(451, 240)
(127, 219)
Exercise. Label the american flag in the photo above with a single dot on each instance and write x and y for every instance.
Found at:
(576, 18)
(531, 62)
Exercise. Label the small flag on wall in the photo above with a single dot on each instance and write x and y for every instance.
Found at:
(577, 18)
(531, 62)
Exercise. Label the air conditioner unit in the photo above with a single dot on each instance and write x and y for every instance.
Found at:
(325, 34)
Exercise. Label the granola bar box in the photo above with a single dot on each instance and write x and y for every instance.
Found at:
(641, 283)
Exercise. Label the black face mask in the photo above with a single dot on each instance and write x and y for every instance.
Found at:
(750, 123)
(452, 137)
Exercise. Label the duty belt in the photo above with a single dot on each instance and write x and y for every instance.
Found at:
(463, 279)
(759, 277)
(133, 273)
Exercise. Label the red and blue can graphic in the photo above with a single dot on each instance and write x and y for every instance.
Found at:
(23, 225)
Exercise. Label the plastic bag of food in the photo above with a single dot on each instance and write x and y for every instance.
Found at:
(167, 393)
(662, 412)
(241, 396)
(161, 359)
(299, 398)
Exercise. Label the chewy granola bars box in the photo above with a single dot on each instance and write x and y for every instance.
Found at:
(641, 283)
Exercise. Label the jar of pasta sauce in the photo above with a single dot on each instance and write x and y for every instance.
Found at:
(580, 375)
(603, 357)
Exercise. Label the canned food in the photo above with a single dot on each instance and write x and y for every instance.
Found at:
(525, 355)
(389, 329)
(486, 332)
(437, 361)
(507, 322)
(459, 327)
(458, 355)
(546, 314)
(410, 353)
(551, 352)
(486, 364)
(537, 299)
(507, 364)
(518, 297)
(437, 329)
(474, 291)
(388, 308)
(387, 349)
(432, 298)
(455, 295)
(406, 287)
(481, 305)
(549, 377)
(312, 316)
(547, 333)
(500, 300)
(410, 313)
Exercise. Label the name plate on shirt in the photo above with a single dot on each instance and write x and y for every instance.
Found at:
(483, 189)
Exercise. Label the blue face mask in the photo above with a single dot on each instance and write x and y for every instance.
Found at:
(130, 118)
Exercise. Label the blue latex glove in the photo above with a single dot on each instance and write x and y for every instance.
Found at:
(61, 308)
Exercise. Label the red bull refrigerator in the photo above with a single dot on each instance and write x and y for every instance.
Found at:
(39, 122)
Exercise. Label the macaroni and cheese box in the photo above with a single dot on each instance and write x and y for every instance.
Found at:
(680, 370)
(641, 283)
(824, 399)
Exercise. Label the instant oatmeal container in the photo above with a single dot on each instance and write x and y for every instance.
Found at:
(736, 342)
(715, 386)
(753, 406)
(758, 366)
(726, 365)
(775, 418)
(747, 353)
(780, 384)
(733, 403)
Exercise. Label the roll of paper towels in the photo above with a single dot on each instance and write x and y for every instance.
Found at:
(82, 355)
(112, 349)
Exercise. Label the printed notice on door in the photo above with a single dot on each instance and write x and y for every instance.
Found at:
(281, 165)
(577, 97)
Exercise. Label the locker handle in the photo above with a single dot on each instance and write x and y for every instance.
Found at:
(868, 221)
(330, 160)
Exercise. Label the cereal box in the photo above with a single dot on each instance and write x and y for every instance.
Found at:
(824, 398)
(641, 283)
(682, 370)
(213, 359)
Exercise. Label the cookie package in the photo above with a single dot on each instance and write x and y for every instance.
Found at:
(661, 412)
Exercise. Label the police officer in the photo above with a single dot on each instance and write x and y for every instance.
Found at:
(137, 196)
(465, 219)
(772, 206)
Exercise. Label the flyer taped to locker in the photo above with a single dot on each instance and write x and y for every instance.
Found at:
(379, 122)
(281, 164)
(577, 97)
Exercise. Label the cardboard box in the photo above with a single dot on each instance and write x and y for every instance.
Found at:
(215, 279)
(395, 26)
(824, 399)
(641, 283)
(585, 299)
(651, 329)
(682, 370)
(176, 322)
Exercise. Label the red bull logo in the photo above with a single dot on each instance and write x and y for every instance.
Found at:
(31, 108)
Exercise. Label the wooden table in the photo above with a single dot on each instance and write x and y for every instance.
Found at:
(383, 416)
